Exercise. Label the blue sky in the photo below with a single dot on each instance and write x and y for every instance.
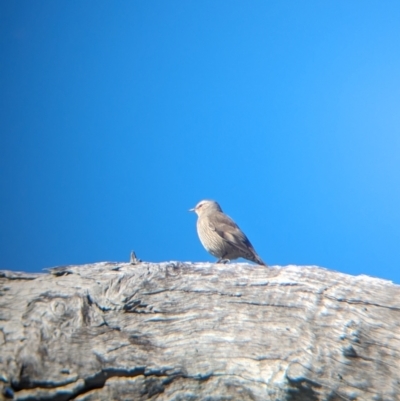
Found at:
(117, 117)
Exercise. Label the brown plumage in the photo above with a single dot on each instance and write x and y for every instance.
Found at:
(221, 236)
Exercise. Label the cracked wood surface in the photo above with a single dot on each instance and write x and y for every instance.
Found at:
(184, 331)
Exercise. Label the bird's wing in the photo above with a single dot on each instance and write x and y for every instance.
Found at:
(229, 231)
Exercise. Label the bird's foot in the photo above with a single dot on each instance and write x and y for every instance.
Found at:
(224, 261)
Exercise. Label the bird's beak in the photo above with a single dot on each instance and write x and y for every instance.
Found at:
(191, 210)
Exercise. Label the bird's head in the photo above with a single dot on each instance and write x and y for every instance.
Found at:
(206, 206)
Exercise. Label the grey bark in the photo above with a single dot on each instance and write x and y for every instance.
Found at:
(184, 331)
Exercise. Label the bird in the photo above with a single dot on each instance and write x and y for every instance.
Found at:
(221, 236)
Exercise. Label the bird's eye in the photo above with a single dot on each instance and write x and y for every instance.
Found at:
(200, 206)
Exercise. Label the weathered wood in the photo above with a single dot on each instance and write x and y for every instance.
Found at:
(183, 331)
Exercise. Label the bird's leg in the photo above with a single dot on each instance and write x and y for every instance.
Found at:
(222, 260)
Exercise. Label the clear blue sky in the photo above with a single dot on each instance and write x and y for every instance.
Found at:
(117, 117)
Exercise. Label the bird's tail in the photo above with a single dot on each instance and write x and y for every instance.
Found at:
(258, 260)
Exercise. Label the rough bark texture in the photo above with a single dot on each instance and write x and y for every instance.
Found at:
(183, 331)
